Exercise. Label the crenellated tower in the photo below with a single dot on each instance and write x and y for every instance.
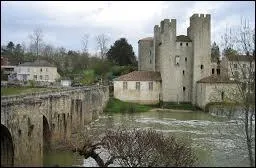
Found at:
(199, 32)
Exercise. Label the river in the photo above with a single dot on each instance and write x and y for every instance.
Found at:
(215, 139)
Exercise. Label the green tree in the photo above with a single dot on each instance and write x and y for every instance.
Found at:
(10, 46)
(88, 77)
(121, 53)
(215, 52)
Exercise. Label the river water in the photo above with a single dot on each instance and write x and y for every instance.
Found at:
(216, 140)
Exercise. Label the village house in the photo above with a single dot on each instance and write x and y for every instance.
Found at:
(40, 70)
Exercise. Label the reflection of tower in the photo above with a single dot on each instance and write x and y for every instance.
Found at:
(199, 32)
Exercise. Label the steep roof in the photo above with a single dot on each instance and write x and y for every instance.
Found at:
(216, 79)
(240, 58)
(140, 76)
(147, 39)
(183, 38)
(36, 63)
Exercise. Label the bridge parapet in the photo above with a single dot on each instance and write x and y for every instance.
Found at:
(47, 94)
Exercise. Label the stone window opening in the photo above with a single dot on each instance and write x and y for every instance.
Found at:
(222, 95)
(46, 69)
(35, 77)
(186, 44)
(150, 61)
(137, 85)
(150, 85)
(185, 59)
(177, 60)
(202, 66)
(41, 69)
(124, 85)
(183, 72)
(218, 71)
(184, 88)
(46, 77)
(180, 44)
(213, 70)
(41, 77)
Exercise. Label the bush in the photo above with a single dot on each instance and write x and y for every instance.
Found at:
(141, 148)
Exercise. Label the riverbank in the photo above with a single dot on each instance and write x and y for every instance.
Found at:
(118, 106)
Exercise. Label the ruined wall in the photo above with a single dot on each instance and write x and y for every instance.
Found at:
(65, 113)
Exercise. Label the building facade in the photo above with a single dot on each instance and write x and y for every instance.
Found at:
(40, 70)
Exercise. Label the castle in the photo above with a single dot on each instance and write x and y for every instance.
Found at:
(181, 60)
(179, 68)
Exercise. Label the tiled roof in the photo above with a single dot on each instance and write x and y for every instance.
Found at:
(42, 63)
(183, 38)
(140, 76)
(240, 58)
(147, 39)
(216, 79)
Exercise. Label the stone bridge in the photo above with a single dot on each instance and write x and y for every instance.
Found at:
(31, 123)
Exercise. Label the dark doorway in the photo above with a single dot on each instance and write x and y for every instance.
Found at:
(46, 135)
(7, 149)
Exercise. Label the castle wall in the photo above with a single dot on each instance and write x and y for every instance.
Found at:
(200, 33)
(146, 58)
(156, 47)
(185, 52)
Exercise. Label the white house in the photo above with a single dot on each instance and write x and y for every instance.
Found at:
(40, 70)
(138, 86)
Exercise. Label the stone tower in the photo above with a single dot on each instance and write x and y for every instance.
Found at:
(199, 32)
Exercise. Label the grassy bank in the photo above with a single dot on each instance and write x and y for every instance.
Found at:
(20, 90)
(118, 106)
(180, 106)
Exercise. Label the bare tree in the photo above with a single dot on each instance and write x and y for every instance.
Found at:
(36, 39)
(241, 68)
(85, 43)
(140, 148)
(102, 41)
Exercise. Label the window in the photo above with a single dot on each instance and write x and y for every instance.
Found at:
(150, 85)
(28, 70)
(222, 95)
(184, 88)
(235, 66)
(185, 59)
(202, 66)
(137, 85)
(218, 71)
(41, 77)
(212, 70)
(183, 72)
(150, 61)
(46, 69)
(35, 77)
(177, 60)
(186, 44)
(46, 77)
(124, 85)
(244, 65)
(149, 52)
(180, 44)
(41, 69)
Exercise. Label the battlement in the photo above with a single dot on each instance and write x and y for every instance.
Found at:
(201, 16)
(166, 23)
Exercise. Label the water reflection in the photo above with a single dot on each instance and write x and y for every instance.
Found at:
(211, 136)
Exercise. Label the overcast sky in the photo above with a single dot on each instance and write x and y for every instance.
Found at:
(64, 23)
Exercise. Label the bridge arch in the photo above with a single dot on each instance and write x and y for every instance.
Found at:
(46, 135)
(7, 149)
